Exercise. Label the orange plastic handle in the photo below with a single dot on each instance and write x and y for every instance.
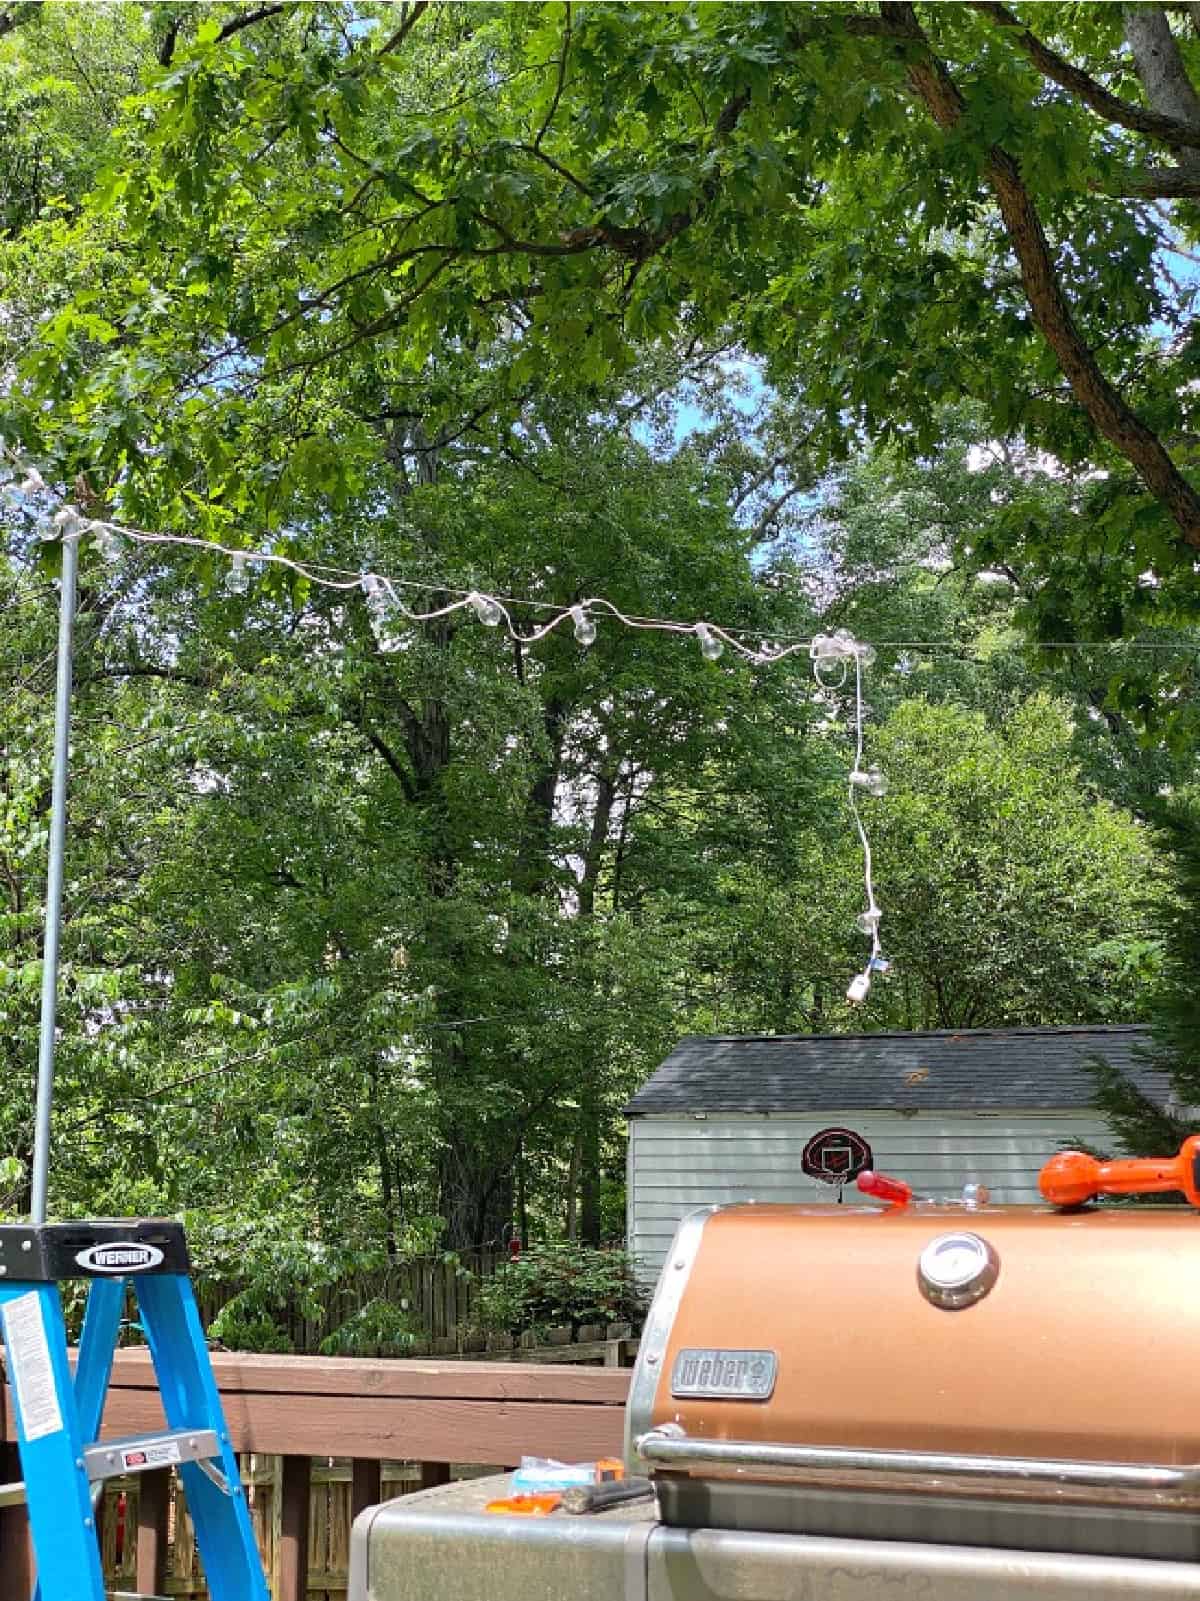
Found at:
(527, 1505)
(1072, 1178)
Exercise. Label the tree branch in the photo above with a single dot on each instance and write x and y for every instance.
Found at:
(1160, 69)
(247, 20)
(1138, 119)
(166, 50)
(1156, 183)
(410, 19)
(1116, 421)
(393, 762)
(13, 16)
(562, 78)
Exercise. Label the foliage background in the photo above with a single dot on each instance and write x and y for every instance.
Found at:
(371, 932)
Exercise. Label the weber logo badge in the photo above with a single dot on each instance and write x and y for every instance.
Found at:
(731, 1375)
(119, 1256)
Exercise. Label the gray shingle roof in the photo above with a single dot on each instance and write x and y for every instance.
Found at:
(975, 1069)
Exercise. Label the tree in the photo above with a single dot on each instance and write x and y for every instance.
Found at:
(1143, 1125)
(555, 184)
(421, 291)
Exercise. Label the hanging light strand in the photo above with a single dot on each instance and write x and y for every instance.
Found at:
(832, 655)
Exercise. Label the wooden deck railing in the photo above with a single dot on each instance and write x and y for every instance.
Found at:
(370, 1411)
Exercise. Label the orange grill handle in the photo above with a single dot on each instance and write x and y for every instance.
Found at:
(1072, 1178)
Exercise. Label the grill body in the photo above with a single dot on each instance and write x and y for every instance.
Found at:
(1084, 1348)
(928, 1404)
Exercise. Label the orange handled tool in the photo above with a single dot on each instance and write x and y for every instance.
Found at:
(1072, 1178)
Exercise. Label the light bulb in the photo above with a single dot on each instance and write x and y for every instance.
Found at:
(711, 647)
(237, 581)
(68, 524)
(376, 594)
(585, 628)
(109, 544)
(868, 922)
(859, 988)
(486, 609)
(873, 781)
(32, 484)
(866, 655)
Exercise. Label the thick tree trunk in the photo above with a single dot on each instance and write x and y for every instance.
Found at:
(590, 1115)
(476, 1196)
(1159, 65)
(1116, 421)
(572, 1219)
(533, 861)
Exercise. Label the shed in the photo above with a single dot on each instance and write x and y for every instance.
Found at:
(727, 1118)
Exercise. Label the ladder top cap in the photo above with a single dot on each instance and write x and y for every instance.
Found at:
(95, 1248)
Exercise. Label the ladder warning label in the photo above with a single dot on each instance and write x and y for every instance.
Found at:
(30, 1367)
(137, 1459)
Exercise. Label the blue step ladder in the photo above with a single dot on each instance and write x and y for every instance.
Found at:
(63, 1462)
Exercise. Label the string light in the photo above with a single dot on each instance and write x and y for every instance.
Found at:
(585, 628)
(486, 609)
(711, 648)
(237, 580)
(873, 781)
(828, 653)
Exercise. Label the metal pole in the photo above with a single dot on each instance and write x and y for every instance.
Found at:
(54, 878)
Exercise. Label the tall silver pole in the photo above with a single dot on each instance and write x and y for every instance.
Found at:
(54, 878)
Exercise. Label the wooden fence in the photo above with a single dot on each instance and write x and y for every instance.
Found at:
(344, 1431)
(439, 1296)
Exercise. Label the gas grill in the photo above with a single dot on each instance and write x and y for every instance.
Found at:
(950, 1402)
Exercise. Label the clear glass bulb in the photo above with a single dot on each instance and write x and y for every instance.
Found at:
(868, 922)
(238, 580)
(874, 781)
(711, 648)
(486, 609)
(109, 544)
(866, 655)
(844, 643)
(585, 628)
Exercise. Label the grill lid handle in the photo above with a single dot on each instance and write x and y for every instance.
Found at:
(669, 1447)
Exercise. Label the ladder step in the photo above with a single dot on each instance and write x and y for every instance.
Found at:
(142, 1453)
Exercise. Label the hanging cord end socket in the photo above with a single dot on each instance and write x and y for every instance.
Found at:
(859, 988)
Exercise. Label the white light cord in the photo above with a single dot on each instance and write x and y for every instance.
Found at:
(383, 602)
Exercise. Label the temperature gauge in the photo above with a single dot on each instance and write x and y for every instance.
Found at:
(955, 1270)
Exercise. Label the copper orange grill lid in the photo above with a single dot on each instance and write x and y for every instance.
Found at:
(1015, 1353)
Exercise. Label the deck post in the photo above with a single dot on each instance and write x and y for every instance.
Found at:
(154, 1502)
(16, 1557)
(366, 1485)
(292, 1556)
(431, 1474)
